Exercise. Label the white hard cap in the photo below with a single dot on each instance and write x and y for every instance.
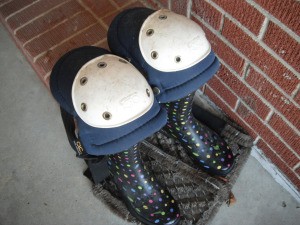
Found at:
(171, 42)
(109, 92)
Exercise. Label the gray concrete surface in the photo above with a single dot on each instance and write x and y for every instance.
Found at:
(41, 181)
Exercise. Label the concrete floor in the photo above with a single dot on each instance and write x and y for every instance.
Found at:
(41, 181)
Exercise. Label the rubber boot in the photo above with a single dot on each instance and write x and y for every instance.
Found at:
(204, 146)
(144, 197)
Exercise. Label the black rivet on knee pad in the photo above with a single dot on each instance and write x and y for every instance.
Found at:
(177, 59)
(101, 64)
(148, 92)
(106, 115)
(149, 32)
(83, 81)
(154, 55)
(162, 17)
(83, 107)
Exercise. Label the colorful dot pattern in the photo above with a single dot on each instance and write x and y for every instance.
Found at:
(204, 146)
(140, 190)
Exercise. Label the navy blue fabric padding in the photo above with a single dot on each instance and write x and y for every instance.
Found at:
(114, 140)
(123, 40)
(100, 141)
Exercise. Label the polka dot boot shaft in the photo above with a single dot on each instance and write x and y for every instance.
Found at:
(208, 150)
(146, 199)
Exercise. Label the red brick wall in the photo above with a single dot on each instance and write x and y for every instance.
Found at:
(258, 83)
(46, 29)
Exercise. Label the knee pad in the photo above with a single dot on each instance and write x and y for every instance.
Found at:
(111, 101)
(171, 50)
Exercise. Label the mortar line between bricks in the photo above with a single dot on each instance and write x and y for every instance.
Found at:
(20, 10)
(275, 133)
(268, 117)
(63, 41)
(296, 166)
(94, 15)
(169, 4)
(263, 28)
(3, 4)
(258, 94)
(128, 3)
(47, 75)
(274, 19)
(237, 102)
(39, 16)
(158, 3)
(246, 69)
(297, 89)
(222, 23)
(114, 4)
(260, 42)
(236, 50)
(100, 42)
(52, 28)
(189, 8)
(145, 3)
(256, 140)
